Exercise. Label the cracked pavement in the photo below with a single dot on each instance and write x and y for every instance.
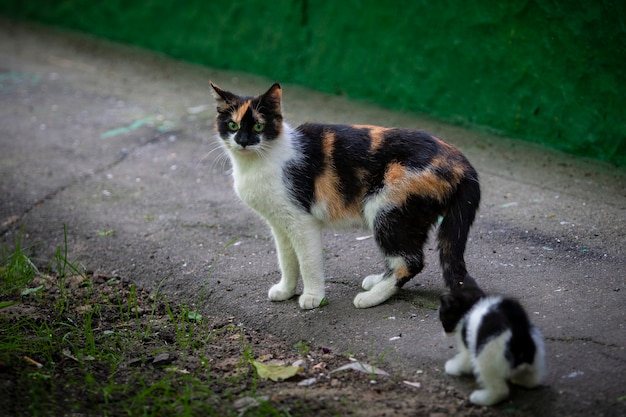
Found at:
(117, 144)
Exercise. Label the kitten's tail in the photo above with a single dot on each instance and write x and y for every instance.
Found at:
(454, 230)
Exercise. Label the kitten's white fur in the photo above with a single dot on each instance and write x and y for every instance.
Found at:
(490, 366)
(258, 181)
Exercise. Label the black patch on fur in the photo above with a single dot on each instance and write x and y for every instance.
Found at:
(246, 136)
(492, 324)
(300, 175)
(456, 304)
(271, 113)
(454, 229)
(351, 155)
(411, 148)
(508, 315)
(521, 346)
(404, 230)
(464, 335)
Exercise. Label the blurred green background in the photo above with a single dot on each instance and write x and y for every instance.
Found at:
(550, 72)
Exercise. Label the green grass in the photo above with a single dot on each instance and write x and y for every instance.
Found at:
(70, 346)
(16, 268)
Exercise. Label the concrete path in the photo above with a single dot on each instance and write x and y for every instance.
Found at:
(117, 144)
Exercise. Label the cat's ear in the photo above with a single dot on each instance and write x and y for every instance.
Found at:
(273, 97)
(224, 98)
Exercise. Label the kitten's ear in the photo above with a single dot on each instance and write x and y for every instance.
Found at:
(273, 97)
(224, 98)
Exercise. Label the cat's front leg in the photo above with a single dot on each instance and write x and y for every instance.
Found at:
(289, 267)
(459, 365)
(306, 239)
(491, 395)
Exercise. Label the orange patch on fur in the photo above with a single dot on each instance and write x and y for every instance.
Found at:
(428, 183)
(451, 160)
(327, 195)
(402, 272)
(367, 127)
(395, 174)
(241, 111)
(328, 145)
(327, 186)
(402, 183)
(445, 163)
(377, 135)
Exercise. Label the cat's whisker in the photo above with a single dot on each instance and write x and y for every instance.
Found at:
(218, 160)
(206, 156)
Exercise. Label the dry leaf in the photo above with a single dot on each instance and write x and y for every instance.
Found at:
(275, 372)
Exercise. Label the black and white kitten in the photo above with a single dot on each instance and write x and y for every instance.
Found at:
(394, 182)
(496, 342)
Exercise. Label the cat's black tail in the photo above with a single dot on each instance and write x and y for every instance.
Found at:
(454, 230)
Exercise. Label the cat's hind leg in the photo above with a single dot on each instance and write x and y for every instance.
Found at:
(532, 375)
(371, 280)
(494, 386)
(492, 369)
(490, 395)
(377, 294)
(527, 376)
(384, 285)
(400, 233)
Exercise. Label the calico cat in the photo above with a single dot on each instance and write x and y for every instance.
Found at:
(394, 182)
(496, 342)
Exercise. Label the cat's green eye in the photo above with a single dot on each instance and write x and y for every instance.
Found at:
(258, 127)
(233, 126)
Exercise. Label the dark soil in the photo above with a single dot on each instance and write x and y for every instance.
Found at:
(149, 356)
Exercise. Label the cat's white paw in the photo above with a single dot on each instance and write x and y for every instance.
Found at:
(488, 397)
(366, 300)
(526, 377)
(309, 301)
(371, 280)
(458, 365)
(452, 367)
(379, 293)
(278, 292)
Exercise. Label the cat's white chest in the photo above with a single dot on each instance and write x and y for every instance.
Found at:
(257, 185)
(264, 192)
(258, 180)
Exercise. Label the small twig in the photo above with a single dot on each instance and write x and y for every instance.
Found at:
(33, 362)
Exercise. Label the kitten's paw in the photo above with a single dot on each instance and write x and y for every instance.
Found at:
(452, 367)
(488, 397)
(379, 293)
(459, 365)
(370, 281)
(527, 378)
(278, 292)
(308, 301)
